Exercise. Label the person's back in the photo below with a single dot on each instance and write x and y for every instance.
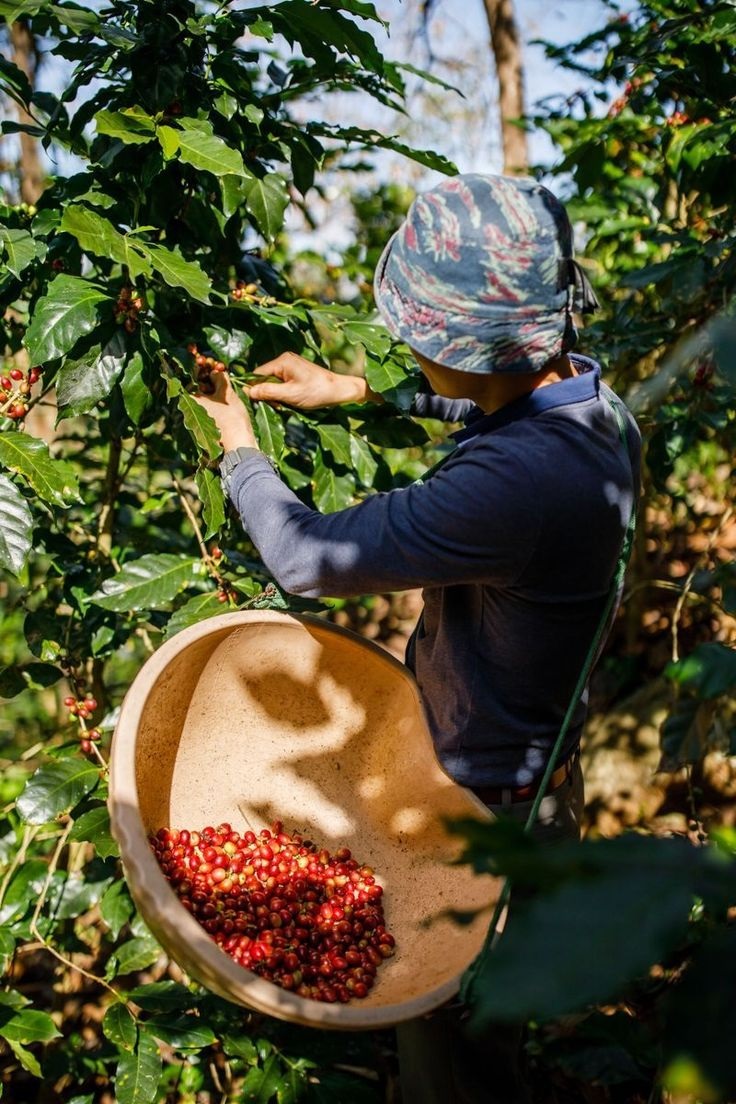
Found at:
(515, 538)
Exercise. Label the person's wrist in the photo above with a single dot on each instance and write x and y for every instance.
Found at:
(354, 389)
(237, 436)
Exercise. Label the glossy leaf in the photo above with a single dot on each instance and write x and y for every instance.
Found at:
(177, 271)
(98, 236)
(94, 826)
(331, 491)
(57, 787)
(270, 430)
(376, 339)
(131, 125)
(138, 1073)
(162, 996)
(21, 249)
(16, 528)
(55, 481)
(137, 397)
(212, 499)
(392, 380)
(363, 460)
(116, 908)
(83, 383)
(135, 955)
(120, 1027)
(519, 980)
(182, 1032)
(194, 610)
(336, 440)
(262, 1082)
(199, 146)
(150, 583)
(20, 1024)
(267, 201)
(78, 893)
(201, 426)
(67, 312)
(710, 670)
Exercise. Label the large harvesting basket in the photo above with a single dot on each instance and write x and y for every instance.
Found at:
(255, 716)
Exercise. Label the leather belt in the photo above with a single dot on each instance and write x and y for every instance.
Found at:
(504, 795)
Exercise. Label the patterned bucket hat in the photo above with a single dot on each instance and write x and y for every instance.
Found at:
(480, 276)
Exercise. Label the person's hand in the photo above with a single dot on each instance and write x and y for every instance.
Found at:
(229, 414)
(307, 386)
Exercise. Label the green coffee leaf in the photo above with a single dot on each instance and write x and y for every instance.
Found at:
(198, 145)
(270, 429)
(262, 1081)
(710, 670)
(336, 440)
(94, 827)
(55, 788)
(363, 460)
(55, 481)
(162, 996)
(137, 398)
(228, 345)
(196, 419)
(116, 908)
(267, 201)
(26, 1058)
(16, 530)
(98, 236)
(392, 380)
(138, 1073)
(182, 1032)
(131, 125)
(519, 980)
(212, 499)
(119, 1026)
(78, 893)
(375, 339)
(83, 383)
(19, 1024)
(331, 491)
(148, 583)
(67, 312)
(21, 249)
(196, 609)
(134, 955)
(23, 890)
(177, 271)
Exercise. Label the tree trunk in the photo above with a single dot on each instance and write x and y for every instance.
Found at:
(30, 171)
(507, 53)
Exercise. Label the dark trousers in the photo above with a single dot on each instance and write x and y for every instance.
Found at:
(439, 1063)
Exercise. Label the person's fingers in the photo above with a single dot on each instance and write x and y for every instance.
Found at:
(270, 392)
(277, 367)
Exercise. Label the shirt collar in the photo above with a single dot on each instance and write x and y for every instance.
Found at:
(576, 389)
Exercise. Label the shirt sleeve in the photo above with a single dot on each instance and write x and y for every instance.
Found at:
(428, 405)
(473, 521)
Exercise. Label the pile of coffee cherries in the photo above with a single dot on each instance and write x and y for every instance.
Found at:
(15, 387)
(281, 906)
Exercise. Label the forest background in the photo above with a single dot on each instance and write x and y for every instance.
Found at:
(179, 138)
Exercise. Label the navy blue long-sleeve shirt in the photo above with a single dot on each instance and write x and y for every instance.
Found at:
(514, 540)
